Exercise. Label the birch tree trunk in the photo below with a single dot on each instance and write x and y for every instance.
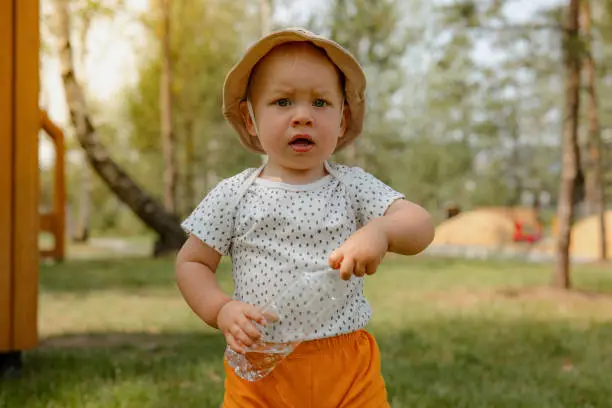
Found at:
(81, 233)
(149, 210)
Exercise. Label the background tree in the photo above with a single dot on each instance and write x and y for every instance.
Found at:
(164, 8)
(571, 156)
(594, 194)
(463, 101)
(204, 47)
(147, 208)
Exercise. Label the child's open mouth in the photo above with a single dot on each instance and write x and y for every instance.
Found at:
(302, 143)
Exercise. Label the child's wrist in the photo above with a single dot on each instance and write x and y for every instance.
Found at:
(382, 225)
(219, 308)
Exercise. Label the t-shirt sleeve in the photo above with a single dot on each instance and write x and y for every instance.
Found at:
(212, 221)
(371, 197)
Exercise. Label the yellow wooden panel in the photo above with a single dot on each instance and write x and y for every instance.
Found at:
(26, 190)
(6, 167)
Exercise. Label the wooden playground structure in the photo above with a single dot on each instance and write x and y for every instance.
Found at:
(20, 222)
(54, 221)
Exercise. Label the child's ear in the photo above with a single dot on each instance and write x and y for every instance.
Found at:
(246, 117)
(344, 121)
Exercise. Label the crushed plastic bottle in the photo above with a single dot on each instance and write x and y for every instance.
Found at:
(293, 315)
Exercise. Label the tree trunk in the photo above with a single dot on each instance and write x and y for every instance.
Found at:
(81, 233)
(190, 167)
(211, 163)
(595, 198)
(515, 162)
(571, 158)
(165, 105)
(149, 210)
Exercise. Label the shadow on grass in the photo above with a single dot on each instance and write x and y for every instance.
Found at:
(120, 369)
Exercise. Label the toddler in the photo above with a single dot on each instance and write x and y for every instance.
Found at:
(297, 98)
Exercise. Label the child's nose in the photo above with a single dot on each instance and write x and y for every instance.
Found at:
(303, 116)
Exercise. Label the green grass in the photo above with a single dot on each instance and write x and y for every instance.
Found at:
(116, 333)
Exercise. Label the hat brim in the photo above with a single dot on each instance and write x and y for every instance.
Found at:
(236, 83)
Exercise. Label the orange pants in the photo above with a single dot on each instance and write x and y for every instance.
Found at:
(337, 372)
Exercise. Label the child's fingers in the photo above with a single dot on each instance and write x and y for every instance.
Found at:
(335, 259)
(346, 269)
(270, 317)
(255, 314)
(360, 269)
(371, 268)
(250, 329)
(240, 336)
(231, 341)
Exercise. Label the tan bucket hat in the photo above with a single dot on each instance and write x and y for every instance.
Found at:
(236, 82)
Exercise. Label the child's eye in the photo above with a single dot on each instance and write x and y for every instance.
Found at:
(283, 102)
(320, 103)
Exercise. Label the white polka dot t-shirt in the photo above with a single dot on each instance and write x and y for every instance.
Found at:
(274, 231)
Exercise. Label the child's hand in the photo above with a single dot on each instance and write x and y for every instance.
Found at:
(235, 320)
(362, 252)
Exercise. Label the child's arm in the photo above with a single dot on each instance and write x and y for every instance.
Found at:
(406, 228)
(196, 264)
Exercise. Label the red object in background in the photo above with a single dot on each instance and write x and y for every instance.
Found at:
(521, 236)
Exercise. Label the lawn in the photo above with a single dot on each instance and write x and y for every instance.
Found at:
(116, 333)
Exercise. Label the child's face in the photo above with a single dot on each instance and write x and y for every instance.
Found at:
(297, 100)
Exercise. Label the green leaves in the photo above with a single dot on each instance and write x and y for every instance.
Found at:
(205, 44)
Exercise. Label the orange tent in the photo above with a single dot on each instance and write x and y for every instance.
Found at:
(586, 237)
(487, 226)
